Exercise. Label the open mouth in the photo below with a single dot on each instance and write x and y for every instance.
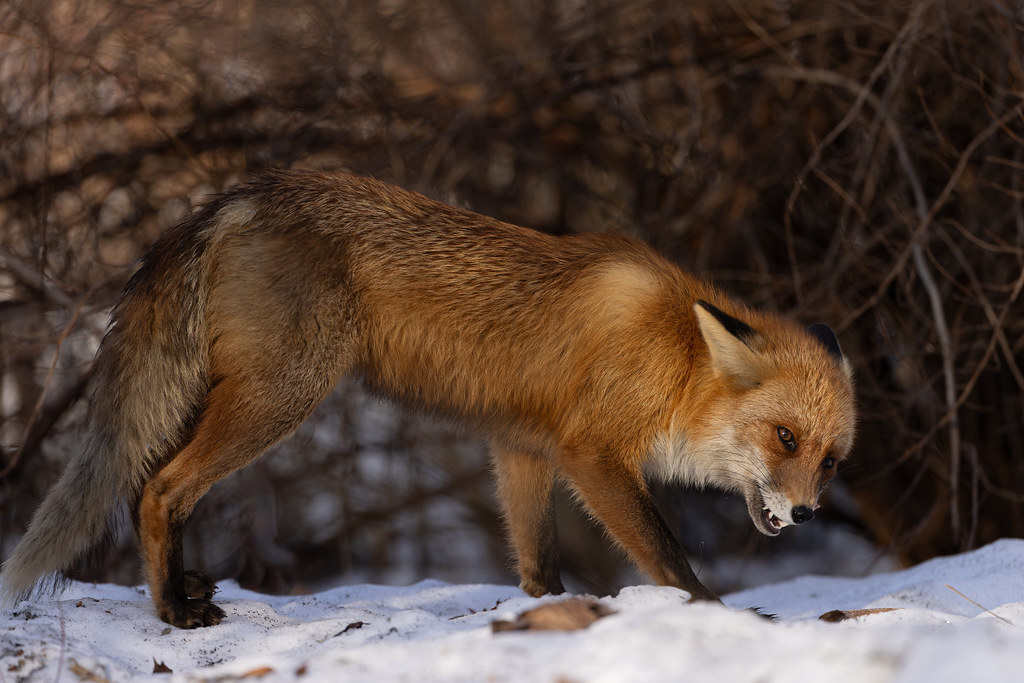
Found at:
(765, 521)
(770, 520)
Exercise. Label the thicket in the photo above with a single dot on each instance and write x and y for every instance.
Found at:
(858, 162)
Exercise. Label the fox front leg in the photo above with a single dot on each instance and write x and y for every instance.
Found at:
(525, 489)
(617, 496)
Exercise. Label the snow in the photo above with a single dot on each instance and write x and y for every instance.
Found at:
(959, 618)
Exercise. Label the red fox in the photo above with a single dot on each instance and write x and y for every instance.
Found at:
(585, 359)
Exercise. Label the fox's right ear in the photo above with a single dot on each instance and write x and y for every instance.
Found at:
(827, 338)
(731, 343)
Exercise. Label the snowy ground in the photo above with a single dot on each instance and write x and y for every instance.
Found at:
(958, 619)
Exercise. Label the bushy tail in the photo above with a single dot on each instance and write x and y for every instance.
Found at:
(148, 390)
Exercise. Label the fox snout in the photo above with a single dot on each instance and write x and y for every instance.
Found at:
(771, 511)
(801, 514)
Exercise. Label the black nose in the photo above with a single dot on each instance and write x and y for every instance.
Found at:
(801, 514)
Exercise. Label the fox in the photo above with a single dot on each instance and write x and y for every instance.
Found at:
(585, 360)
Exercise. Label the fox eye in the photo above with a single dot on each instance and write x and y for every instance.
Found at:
(828, 463)
(786, 437)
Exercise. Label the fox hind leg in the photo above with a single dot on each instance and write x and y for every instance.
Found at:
(244, 416)
(525, 489)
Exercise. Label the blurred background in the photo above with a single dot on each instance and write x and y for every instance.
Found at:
(856, 162)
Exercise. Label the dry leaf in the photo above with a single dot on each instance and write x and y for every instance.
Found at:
(837, 615)
(353, 626)
(258, 673)
(564, 615)
(84, 674)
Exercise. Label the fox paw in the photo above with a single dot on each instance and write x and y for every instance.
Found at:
(198, 585)
(538, 587)
(192, 614)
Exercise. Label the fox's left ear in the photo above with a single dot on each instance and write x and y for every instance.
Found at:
(732, 344)
(824, 334)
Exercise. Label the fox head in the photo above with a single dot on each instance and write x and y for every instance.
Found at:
(778, 415)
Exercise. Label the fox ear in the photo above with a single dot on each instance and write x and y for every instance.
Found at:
(824, 334)
(731, 343)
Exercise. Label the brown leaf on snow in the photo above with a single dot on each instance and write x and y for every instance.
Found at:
(564, 615)
(161, 668)
(258, 672)
(85, 674)
(837, 615)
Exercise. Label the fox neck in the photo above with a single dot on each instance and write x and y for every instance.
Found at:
(694, 447)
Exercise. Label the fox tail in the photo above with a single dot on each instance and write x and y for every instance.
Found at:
(148, 390)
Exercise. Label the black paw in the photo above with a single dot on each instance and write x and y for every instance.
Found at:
(198, 585)
(192, 614)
